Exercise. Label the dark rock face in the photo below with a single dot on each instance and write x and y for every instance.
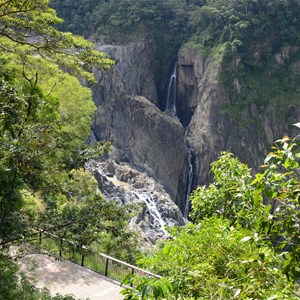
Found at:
(132, 75)
(133, 71)
(157, 142)
(199, 93)
(140, 133)
(153, 142)
(209, 131)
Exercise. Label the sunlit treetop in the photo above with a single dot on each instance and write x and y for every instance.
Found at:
(27, 28)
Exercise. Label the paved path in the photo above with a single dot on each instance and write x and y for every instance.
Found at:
(65, 277)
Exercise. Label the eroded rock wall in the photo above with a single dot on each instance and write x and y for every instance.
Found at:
(199, 93)
(210, 130)
(157, 142)
(127, 115)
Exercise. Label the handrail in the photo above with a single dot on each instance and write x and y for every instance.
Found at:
(130, 266)
(108, 260)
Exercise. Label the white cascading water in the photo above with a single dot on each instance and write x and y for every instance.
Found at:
(189, 189)
(153, 211)
(171, 95)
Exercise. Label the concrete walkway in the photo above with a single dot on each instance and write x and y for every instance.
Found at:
(65, 277)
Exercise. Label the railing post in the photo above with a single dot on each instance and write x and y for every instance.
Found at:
(82, 257)
(60, 248)
(132, 273)
(69, 251)
(40, 237)
(106, 266)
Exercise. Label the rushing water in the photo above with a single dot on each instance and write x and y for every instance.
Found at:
(171, 95)
(189, 189)
(147, 197)
(152, 209)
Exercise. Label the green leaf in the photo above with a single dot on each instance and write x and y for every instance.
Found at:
(144, 293)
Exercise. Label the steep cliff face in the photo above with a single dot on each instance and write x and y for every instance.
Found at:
(158, 142)
(140, 133)
(132, 75)
(199, 98)
(210, 129)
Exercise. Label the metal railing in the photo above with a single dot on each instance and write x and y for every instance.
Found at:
(98, 262)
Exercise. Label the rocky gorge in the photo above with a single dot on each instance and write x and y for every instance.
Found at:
(176, 148)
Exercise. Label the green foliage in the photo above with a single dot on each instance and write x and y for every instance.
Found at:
(146, 288)
(45, 118)
(279, 185)
(230, 195)
(42, 39)
(213, 260)
(244, 243)
(248, 21)
(269, 204)
(76, 14)
(119, 17)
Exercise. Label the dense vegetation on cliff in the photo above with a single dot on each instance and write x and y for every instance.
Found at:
(253, 39)
(218, 21)
(45, 119)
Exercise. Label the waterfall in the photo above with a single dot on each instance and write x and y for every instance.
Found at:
(189, 189)
(157, 220)
(171, 95)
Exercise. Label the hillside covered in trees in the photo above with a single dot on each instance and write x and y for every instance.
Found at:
(243, 238)
(248, 30)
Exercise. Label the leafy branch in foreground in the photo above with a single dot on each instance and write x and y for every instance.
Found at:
(26, 28)
(280, 187)
(45, 119)
(146, 288)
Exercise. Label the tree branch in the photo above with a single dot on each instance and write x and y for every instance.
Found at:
(5, 3)
(21, 10)
(51, 90)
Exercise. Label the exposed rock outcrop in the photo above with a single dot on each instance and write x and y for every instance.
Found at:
(126, 185)
(200, 95)
(153, 141)
(132, 75)
(156, 142)
(133, 71)
(209, 131)
(140, 133)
